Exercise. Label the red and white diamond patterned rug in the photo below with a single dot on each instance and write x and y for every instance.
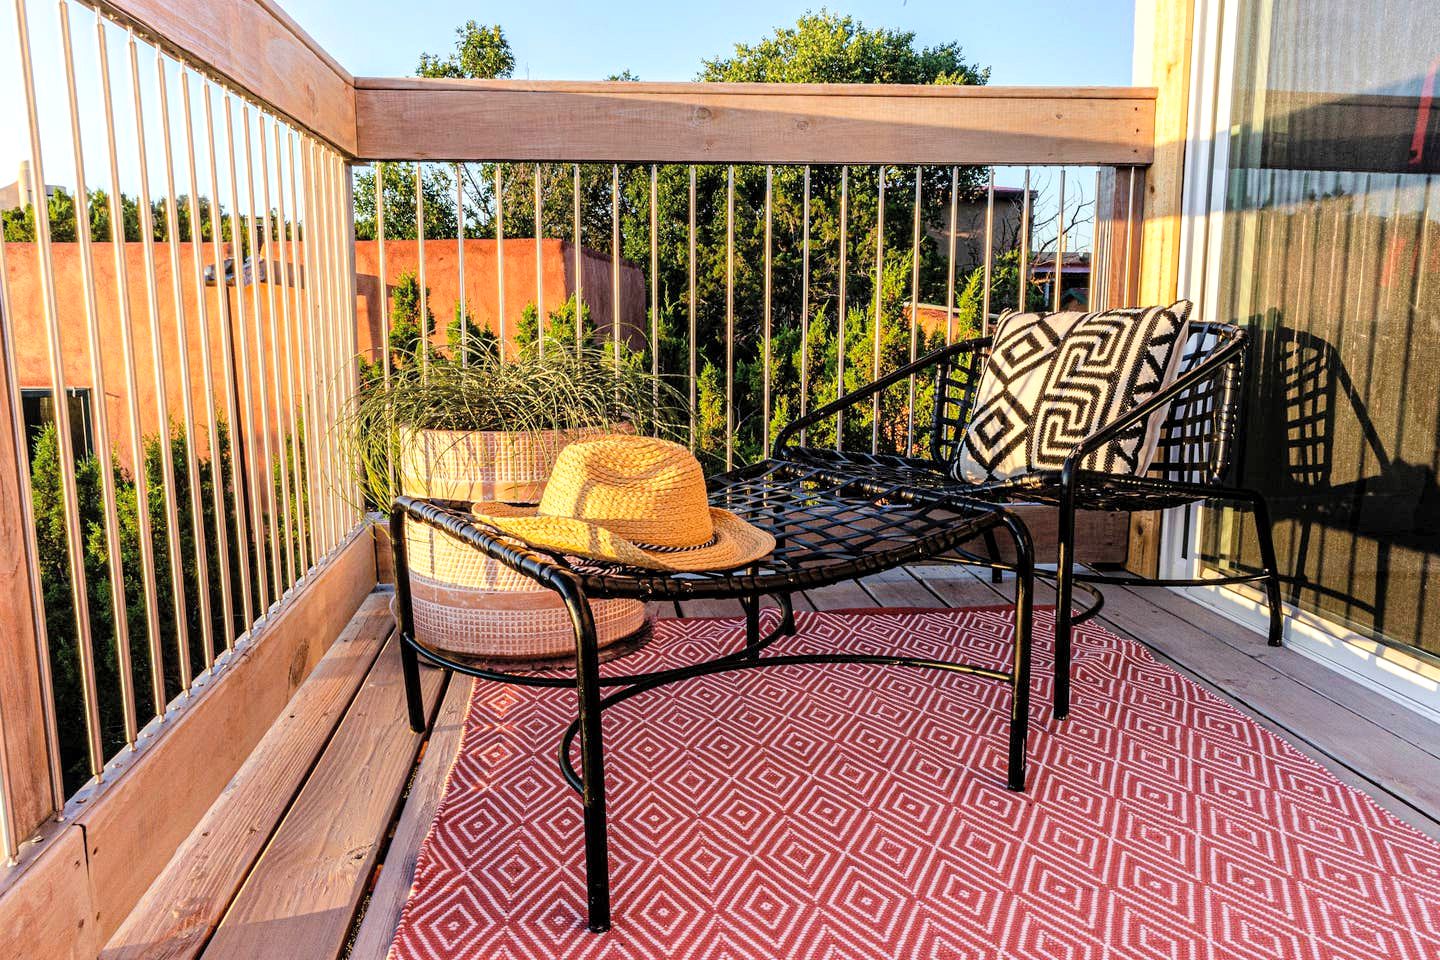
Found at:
(852, 811)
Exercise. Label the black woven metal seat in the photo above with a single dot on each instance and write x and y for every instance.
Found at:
(1193, 463)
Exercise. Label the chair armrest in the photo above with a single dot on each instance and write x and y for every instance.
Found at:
(1210, 367)
(854, 397)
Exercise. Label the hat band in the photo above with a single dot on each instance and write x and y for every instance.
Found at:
(652, 548)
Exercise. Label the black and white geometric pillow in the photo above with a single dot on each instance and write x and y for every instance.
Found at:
(1107, 364)
(996, 442)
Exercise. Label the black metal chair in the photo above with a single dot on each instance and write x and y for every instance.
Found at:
(1192, 464)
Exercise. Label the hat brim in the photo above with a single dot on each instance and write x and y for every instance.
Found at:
(737, 543)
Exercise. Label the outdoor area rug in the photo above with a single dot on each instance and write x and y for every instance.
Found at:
(854, 811)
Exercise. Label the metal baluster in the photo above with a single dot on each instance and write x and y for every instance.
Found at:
(187, 395)
(70, 499)
(1058, 276)
(841, 309)
(167, 465)
(425, 331)
(805, 302)
(1097, 275)
(694, 355)
(500, 256)
(1127, 285)
(539, 264)
(615, 260)
(730, 318)
(655, 290)
(876, 329)
(291, 286)
(314, 291)
(765, 338)
(100, 419)
(989, 255)
(279, 425)
(1024, 284)
(914, 313)
(387, 365)
(461, 311)
(257, 520)
(950, 268)
(227, 361)
(579, 268)
(268, 489)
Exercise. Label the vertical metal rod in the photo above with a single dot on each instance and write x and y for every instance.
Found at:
(227, 361)
(320, 343)
(132, 386)
(1058, 277)
(65, 453)
(840, 310)
(766, 332)
(615, 259)
(579, 268)
(954, 231)
(304, 481)
(914, 312)
(345, 318)
(268, 490)
(805, 300)
(539, 264)
(207, 373)
(289, 288)
(271, 261)
(329, 342)
(100, 419)
(1025, 213)
(314, 288)
(877, 329)
(500, 258)
(693, 347)
(244, 379)
(187, 393)
(655, 290)
(162, 396)
(424, 320)
(730, 318)
(387, 365)
(461, 311)
(33, 603)
(989, 255)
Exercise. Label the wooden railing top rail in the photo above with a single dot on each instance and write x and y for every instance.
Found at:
(424, 119)
(258, 47)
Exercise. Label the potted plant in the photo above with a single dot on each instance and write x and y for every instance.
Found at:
(486, 430)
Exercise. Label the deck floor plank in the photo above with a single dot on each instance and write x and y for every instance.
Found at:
(382, 914)
(306, 886)
(178, 913)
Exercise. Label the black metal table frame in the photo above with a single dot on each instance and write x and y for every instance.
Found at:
(576, 587)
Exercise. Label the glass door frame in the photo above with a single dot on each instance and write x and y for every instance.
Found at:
(1411, 680)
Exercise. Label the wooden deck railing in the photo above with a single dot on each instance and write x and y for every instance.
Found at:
(109, 674)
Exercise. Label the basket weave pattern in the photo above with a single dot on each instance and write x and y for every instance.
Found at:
(466, 602)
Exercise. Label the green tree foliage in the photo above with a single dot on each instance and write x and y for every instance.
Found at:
(19, 222)
(480, 52)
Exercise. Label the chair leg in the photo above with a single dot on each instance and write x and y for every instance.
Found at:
(592, 760)
(993, 546)
(1064, 589)
(1020, 664)
(1261, 511)
(410, 670)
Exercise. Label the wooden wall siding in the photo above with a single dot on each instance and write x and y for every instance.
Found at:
(418, 119)
(255, 45)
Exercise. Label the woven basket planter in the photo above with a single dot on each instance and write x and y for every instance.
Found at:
(463, 601)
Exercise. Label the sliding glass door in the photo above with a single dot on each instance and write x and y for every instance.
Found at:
(1324, 239)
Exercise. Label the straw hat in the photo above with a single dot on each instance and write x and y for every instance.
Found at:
(633, 500)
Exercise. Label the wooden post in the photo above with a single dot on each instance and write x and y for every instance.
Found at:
(1163, 40)
(27, 787)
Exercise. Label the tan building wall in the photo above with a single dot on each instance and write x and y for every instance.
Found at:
(27, 327)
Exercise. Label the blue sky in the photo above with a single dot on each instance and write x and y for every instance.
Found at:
(1080, 42)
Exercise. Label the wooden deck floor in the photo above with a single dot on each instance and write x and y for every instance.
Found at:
(312, 847)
